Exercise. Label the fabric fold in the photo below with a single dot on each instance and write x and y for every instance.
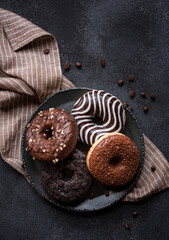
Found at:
(150, 181)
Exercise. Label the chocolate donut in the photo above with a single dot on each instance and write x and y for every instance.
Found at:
(113, 159)
(68, 180)
(52, 135)
(107, 107)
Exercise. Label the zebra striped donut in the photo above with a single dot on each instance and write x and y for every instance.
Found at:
(107, 107)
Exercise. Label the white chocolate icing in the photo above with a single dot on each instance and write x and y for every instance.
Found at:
(106, 106)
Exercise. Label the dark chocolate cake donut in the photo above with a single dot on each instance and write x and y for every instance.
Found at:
(113, 159)
(52, 135)
(68, 180)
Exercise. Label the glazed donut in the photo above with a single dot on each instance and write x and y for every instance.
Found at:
(68, 180)
(113, 159)
(107, 107)
(52, 135)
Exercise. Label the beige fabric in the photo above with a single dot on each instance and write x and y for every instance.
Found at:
(150, 182)
(27, 77)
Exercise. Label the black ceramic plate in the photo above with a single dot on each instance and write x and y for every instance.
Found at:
(65, 99)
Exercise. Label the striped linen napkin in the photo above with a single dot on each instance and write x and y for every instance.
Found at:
(30, 70)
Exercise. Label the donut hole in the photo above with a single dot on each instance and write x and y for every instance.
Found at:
(66, 174)
(114, 160)
(97, 120)
(47, 133)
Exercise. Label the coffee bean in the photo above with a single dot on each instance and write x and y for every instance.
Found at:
(67, 66)
(143, 94)
(153, 168)
(130, 108)
(125, 103)
(132, 94)
(152, 95)
(120, 82)
(91, 195)
(131, 77)
(128, 225)
(46, 51)
(135, 214)
(78, 65)
(145, 109)
(103, 63)
(106, 192)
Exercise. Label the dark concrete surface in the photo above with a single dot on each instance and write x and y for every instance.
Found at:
(133, 37)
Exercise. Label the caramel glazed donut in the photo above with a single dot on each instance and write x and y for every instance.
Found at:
(52, 135)
(107, 107)
(113, 159)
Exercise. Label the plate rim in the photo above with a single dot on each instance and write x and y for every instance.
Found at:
(69, 207)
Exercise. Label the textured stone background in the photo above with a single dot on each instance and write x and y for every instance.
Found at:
(133, 37)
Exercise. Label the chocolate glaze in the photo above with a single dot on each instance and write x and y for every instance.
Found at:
(113, 160)
(52, 135)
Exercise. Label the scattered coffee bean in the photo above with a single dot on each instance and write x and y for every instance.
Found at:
(132, 94)
(103, 63)
(145, 109)
(131, 77)
(46, 51)
(128, 225)
(106, 192)
(130, 108)
(91, 195)
(125, 103)
(78, 65)
(152, 95)
(143, 94)
(135, 214)
(153, 168)
(120, 82)
(67, 66)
